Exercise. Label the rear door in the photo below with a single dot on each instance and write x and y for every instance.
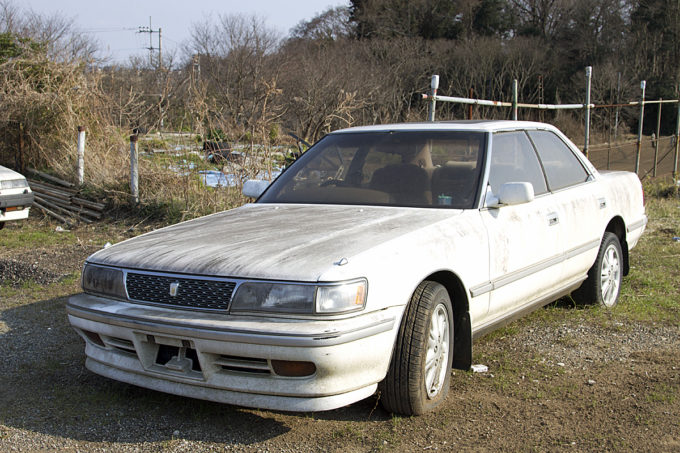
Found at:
(577, 200)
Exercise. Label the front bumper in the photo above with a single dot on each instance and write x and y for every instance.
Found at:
(231, 357)
(24, 199)
(15, 206)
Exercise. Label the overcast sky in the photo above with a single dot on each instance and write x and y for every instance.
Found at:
(115, 23)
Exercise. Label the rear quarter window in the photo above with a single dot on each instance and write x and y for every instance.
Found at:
(562, 167)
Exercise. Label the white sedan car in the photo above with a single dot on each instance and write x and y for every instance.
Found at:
(16, 197)
(371, 263)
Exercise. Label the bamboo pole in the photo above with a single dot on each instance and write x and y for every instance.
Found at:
(52, 214)
(50, 177)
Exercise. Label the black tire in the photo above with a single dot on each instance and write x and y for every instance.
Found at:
(603, 284)
(408, 389)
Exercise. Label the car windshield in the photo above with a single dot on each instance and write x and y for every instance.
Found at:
(392, 168)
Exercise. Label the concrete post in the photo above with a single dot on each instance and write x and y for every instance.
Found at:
(434, 85)
(81, 155)
(134, 169)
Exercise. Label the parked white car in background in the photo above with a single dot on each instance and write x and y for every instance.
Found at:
(372, 262)
(16, 196)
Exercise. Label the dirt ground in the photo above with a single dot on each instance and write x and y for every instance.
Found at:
(562, 379)
(622, 156)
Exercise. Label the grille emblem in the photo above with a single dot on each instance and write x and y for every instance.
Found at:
(174, 286)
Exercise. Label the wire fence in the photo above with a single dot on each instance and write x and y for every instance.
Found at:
(647, 155)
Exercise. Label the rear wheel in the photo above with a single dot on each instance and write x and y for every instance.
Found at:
(603, 284)
(419, 374)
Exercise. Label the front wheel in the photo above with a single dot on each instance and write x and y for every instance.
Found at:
(603, 284)
(419, 374)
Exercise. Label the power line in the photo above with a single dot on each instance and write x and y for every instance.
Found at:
(106, 29)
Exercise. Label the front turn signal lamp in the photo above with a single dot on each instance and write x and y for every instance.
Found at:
(341, 298)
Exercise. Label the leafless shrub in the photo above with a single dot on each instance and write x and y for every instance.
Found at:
(51, 100)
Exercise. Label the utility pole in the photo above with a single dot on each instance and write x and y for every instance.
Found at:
(159, 67)
(151, 48)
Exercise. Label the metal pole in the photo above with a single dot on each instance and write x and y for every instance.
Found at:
(471, 92)
(643, 85)
(134, 169)
(677, 145)
(81, 155)
(434, 85)
(515, 99)
(658, 136)
(589, 76)
(618, 109)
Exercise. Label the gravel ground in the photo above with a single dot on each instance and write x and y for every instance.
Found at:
(14, 272)
(559, 381)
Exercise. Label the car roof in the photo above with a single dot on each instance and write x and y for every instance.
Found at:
(463, 125)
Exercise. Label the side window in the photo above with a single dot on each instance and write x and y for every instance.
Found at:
(513, 159)
(562, 168)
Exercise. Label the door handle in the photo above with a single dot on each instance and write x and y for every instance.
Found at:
(553, 219)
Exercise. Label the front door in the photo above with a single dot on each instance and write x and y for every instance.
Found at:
(526, 253)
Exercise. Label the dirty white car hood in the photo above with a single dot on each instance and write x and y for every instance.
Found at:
(7, 174)
(285, 242)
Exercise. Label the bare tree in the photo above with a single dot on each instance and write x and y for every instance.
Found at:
(233, 52)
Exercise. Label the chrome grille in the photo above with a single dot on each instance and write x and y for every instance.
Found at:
(193, 293)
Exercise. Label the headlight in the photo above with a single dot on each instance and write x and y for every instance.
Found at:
(274, 297)
(341, 298)
(13, 184)
(304, 299)
(103, 280)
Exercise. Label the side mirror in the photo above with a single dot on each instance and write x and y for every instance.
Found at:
(516, 193)
(254, 187)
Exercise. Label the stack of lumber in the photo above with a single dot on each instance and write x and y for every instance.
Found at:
(61, 200)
